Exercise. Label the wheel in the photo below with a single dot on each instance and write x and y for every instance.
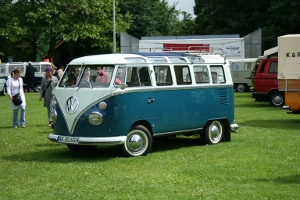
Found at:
(138, 142)
(2, 93)
(37, 88)
(81, 148)
(213, 132)
(241, 87)
(276, 99)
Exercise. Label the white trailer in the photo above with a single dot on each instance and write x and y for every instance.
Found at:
(232, 48)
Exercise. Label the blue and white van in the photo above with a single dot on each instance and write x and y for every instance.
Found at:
(129, 99)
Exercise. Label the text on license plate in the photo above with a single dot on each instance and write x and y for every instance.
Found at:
(67, 139)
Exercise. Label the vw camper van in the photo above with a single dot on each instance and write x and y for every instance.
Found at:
(127, 100)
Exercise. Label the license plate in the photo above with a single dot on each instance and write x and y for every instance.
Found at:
(67, 139)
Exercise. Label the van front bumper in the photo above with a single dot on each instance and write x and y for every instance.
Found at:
(87, 140)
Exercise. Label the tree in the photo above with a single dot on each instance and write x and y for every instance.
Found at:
(44, 23)
(150, 18)
(274, 17)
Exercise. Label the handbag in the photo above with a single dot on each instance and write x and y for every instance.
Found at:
(17, 100)
(43, 94)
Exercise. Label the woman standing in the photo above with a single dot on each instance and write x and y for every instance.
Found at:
(47, 85)
(14, 85)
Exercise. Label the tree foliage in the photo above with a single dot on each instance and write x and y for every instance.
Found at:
(149, 18)
(274, 17)
(44, 23)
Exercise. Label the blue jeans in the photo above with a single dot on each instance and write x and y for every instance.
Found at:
(49, 112)
(22, 116)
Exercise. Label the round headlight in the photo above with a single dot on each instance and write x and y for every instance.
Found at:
(95, 118)
(102, 105)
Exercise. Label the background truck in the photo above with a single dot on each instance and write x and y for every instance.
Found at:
(265, 82)
(240, 72)
(289, 71)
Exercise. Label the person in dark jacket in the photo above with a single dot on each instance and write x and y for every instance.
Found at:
(47, 85)
(29, 75)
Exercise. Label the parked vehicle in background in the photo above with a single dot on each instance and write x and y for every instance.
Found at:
(289, 71)
(240, 72)
(133, 98)
(265, 82)
(2, 86)
(6, 68)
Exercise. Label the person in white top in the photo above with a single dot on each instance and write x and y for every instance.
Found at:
(14, 85)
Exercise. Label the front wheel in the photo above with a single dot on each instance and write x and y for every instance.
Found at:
(138, 142)
(241, 87)
(213, 132)
(276, 99)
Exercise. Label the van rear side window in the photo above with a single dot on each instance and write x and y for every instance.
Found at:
(273, 68)
(217, 74)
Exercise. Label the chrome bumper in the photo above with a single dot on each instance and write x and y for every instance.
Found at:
(234, 127)
(91, 140)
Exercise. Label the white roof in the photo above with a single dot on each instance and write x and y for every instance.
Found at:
(270, 51)
(105, 59)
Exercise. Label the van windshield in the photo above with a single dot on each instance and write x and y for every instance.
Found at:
(87, 76)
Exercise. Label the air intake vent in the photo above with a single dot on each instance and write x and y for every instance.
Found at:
(224, 97)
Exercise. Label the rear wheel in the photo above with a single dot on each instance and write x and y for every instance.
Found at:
(276, 99)
(2, 93)
(138, 142)
(213, 132)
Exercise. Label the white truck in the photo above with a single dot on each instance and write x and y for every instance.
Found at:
(289, 71)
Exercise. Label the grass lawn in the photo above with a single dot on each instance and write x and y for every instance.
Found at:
(261, 162)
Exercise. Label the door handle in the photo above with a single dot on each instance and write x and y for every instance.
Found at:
(150, 100)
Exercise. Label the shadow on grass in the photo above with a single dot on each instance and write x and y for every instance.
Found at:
(260, 105)
(295, 179)
(292, 124)
(58, 153)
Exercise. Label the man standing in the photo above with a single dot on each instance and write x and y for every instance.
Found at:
(29, 76)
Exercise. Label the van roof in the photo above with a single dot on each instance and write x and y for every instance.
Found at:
(106, 59)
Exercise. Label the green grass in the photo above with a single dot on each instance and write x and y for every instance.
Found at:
(261, 162)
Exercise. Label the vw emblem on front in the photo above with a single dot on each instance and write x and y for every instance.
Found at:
(72, 105)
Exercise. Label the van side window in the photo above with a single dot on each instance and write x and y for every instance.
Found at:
(201, 75)
(12, 67)
(2, 69)
(183, 75)
(138, 77)
(217, 74)
(262, 68)
(37, 68)
(273, 68)
(163, 75)
(43, 67)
